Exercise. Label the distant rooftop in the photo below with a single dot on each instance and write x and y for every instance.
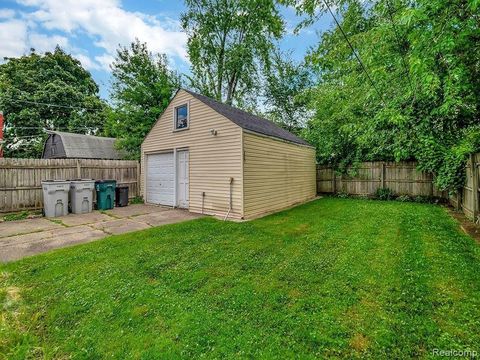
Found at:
(87, 146)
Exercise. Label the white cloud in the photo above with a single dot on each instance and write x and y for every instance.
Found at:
(42, 43)
(109, 25)
(6, 13)
(104, 22)
(87, 62)
(13, 38)
(105, 60)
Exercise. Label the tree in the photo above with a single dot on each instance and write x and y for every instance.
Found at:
(142, 87)
(51, 91)
(228, 41)
(285, 84)
(416, 94)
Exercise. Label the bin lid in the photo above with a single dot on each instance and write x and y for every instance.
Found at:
(55, 181)
(122, 187)
(105, 181)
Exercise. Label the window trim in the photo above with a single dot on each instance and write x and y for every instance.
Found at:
(175, 129)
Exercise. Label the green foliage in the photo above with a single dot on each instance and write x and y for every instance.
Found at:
(404, 198)
(142, 87)
(31, 81)
(16, 216)
(423, 58)
(228, 41)
(370, 279)
(285, 82)
(136, 200)
(384, 194)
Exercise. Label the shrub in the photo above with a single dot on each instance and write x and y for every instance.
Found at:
(384, 194)
(137, 200)
(404, 198)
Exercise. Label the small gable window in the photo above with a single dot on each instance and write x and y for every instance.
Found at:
(181, 117)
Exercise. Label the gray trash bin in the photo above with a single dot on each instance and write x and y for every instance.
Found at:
(81, 195)
(55, 197)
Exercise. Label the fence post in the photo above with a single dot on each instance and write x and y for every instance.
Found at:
(334, 180)
(138, 180)
(79, 169)
(474, 169)
(382, 176)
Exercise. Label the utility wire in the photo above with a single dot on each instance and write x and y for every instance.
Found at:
(52, 105)
(357, 56)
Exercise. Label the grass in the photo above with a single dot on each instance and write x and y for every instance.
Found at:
(22, 215)
(335, 277)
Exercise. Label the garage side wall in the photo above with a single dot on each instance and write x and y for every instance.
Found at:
(213, 159)
(277, 174)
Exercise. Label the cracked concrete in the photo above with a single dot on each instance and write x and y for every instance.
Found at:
(23, 238)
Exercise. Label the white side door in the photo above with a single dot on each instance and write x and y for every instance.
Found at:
(182, 179)
(160, 179)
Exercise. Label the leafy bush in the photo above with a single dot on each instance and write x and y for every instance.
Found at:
(137, 200)
(384, 194)
(404, 198)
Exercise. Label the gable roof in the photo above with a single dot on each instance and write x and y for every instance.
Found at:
(248, 121)
(87, 146)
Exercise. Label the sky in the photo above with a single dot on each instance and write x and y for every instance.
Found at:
(91, 30)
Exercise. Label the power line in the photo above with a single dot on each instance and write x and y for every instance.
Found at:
(52, 105)
(354, 52)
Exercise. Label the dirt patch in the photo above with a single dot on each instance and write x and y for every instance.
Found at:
(467, 226)
(13, 294)
(359, 342)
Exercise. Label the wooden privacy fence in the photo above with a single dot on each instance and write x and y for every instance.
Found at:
(402, 178)
(20, 179)
(468, 198)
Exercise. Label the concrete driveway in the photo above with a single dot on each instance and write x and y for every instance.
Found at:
(23, 238)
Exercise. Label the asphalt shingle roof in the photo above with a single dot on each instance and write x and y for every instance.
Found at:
(249, 121)
(88, 146)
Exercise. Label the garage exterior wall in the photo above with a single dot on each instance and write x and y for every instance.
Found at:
(213, 159)
(277, 174)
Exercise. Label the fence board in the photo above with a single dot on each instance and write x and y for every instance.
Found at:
(20, 179)
(402, 178)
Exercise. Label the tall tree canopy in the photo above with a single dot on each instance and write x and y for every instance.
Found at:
(416, 94)
(51, 91)
(228, 42)
(142, 87)
(284, 100)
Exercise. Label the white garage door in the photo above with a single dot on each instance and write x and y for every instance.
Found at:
(160, 179)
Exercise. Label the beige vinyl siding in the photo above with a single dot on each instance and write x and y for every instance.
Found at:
(277, 174)
(213, 159)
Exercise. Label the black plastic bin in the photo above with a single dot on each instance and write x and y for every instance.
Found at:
(121, 196)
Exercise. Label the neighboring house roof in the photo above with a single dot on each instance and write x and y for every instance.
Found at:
(87, 146)
(248, 121)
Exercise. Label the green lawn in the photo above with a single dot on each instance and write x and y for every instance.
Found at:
(333, 278)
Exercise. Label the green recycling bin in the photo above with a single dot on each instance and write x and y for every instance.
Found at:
(105, 194)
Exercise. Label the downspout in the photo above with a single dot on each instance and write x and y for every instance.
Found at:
(230, 206)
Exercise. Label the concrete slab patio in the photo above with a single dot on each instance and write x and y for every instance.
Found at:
(23, 238)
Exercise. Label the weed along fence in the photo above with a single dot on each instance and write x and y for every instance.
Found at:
(402, 178)
(20, 179)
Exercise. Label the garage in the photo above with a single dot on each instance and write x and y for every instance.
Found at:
(212, 158)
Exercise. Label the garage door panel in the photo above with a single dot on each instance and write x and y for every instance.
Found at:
(160, 179)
